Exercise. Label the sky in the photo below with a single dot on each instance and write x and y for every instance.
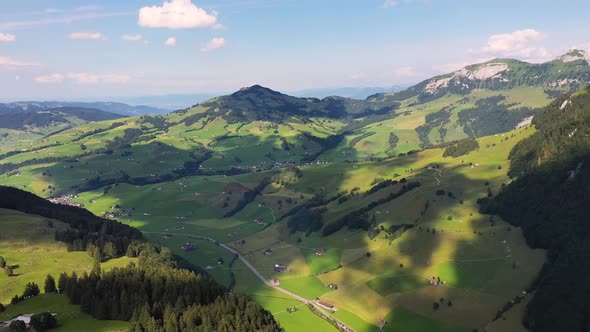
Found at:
(74, 49)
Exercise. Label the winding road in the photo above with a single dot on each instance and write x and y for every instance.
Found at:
(261, 277)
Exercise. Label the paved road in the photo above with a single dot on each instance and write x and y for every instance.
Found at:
(260, 276)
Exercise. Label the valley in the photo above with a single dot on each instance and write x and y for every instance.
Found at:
(334, 213)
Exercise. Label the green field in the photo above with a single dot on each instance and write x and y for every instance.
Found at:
(69, 317)
(396, 282)
(400, 319)
(27, 244)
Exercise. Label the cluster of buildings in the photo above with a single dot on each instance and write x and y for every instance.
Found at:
(118, 212)
(66, 200)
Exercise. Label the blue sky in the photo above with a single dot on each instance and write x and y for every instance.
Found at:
(66, 49)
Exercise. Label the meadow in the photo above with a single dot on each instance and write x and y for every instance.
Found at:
(28, 246)
(69, 317)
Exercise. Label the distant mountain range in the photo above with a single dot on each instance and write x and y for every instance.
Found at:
(111, 107)
(33, 120)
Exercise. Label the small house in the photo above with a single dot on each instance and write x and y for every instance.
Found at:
(279, 268)
(188, 246)
(320, 251)
(267, 252)
(275, 282)
(333, 286)
(326, 304)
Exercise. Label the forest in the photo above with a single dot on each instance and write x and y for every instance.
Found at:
(549, 201)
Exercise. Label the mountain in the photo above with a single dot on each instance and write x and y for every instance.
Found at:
(566, 74)
(111, 107)
(549, 201)
(256, 127)
(369, 205)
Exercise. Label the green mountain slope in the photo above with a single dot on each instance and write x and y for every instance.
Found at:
(18, 127)
(549, 200)
(89, 259)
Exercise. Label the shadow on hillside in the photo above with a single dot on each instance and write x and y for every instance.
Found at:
(429, 249)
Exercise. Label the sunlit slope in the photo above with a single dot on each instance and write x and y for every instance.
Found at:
(28, 246)
(483, 261)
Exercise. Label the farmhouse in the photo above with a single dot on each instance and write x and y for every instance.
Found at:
(188, 246)
(436, 281)
(275, 282)
(267, 252)
(320, 251)
(25, 318)
(326, 304)
(166, 236)
(333, 286)
(281, 268)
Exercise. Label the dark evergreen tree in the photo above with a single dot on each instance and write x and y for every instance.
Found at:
(43, 321)
(49, 285)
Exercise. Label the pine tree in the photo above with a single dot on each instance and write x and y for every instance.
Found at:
(170, 319)
(2, 262)
(49, 285)
(31, 289)
(62, 282)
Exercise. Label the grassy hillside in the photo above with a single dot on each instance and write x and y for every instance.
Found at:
(27, 244)
(257, 128)
(69, 316)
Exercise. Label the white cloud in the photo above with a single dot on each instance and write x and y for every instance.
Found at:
(213, 44)
(49, 79)
(132, 37)
(170, 42)
(88, 78)
(406, 71)
(177, 14)
(7, 38)
(12, 63)
(87, 36)
(519, 44)
(83, 78)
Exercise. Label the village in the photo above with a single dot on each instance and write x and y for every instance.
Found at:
(66, 200)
